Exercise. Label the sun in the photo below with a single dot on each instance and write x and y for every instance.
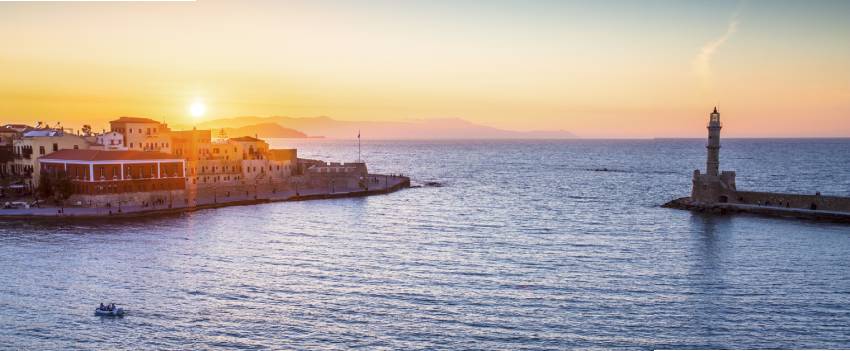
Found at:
(197, 109)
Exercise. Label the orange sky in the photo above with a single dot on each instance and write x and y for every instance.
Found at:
(606, 69)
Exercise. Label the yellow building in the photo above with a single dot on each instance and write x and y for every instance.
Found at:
(143, 134)
(229, 162)
(36, 143)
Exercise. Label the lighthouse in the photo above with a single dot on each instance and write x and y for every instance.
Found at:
(712, 166)
(713, 186)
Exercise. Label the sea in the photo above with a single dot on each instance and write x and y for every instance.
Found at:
(500, 245)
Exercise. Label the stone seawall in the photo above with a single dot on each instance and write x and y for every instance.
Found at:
(772, 210)
(810, 202)
(218, 198)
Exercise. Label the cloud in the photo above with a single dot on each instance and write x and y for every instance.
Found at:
(702, 63)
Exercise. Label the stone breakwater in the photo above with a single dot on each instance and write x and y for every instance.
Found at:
(768, 210)
(384, 184)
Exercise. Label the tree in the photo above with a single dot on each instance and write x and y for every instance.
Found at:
(86, 130)
(62, 186)
(5, 180)
(45, 188)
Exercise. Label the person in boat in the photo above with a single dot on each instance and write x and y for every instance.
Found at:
(101, 306)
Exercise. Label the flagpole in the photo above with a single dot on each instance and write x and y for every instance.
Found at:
(358, 147)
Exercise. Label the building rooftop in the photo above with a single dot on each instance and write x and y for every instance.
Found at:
(17, 126)
(43, 133)
(133, 120)
(246, 138)
(103, 155)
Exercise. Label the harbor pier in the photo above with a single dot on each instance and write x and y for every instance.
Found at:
(716, 192)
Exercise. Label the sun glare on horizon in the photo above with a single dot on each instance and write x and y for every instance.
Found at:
(197, 109)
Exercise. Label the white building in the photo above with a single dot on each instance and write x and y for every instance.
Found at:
(111, 141)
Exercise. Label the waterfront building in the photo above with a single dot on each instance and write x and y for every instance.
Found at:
(190, 144)
(101, 176)
(143, 134)
(230, 162)
(195, 147)
(290, 155)
(251, 148)
(262, 164)
(7, 155)
(284, 162)
(350, 174)
(37, 143)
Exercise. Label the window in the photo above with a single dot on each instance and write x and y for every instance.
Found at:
(41, 150)
(55, 147)
(131, 145)
(140, 130)
(131, 130)
(76, 147)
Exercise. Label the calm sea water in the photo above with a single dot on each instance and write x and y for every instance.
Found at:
(524, 246)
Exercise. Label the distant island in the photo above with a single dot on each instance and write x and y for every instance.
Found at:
(304, 127)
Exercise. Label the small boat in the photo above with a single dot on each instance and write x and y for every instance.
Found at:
(107, 312)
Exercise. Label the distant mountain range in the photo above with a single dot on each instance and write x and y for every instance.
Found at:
(262, 130)
(444, 128)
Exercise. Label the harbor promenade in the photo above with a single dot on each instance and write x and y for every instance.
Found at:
(211, 197)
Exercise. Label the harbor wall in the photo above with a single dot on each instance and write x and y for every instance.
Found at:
(802, 201)
(157, 203)
(687, 203)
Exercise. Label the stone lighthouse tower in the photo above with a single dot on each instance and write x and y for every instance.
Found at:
(713, 186)
(712, 167)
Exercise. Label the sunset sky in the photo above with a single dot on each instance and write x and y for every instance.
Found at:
(598, 69)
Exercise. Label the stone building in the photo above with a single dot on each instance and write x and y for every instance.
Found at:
(229, 162)
(336, 175)
(143, 134)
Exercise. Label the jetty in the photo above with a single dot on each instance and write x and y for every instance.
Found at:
(716, 192)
